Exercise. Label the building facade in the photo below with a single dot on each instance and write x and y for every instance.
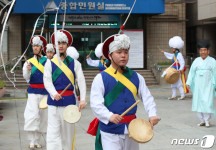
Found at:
(150, 26)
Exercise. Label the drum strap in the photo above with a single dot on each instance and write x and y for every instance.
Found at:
(64, 69)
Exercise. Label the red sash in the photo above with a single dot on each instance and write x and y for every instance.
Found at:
(93, 126)
(37, 86)
(66, 93)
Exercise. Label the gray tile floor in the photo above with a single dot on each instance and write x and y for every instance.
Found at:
(177, 122)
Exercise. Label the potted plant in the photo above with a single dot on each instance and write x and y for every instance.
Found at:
(2, 88)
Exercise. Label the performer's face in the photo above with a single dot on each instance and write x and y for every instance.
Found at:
(37, 49)
(204, 52)
(120, 57)
(62, 47)
(49, 55)
(174, 50)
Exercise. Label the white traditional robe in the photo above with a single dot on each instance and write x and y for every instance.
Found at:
(94, 63)
(35, 118)
(118, 141)
(201, 78)
(59, 132)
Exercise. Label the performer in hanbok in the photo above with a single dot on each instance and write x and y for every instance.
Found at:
(56, 78)
(35, 118)
(103, 63)
(113, 91)
(176, 43)
(202, 81)
(49, 51)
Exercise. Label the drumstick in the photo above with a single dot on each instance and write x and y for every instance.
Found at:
(25, 59)
(90, 53)
(65, 89)
(130, 108)
(159, 48)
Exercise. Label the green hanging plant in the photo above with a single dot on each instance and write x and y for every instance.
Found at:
(2, 84)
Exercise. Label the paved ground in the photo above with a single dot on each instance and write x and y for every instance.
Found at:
(178, 122)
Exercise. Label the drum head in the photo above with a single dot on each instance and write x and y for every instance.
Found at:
(71, 114)
(43, 103)
(140, 130)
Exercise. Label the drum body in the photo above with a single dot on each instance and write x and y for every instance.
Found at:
(172, 75)
(140, 130)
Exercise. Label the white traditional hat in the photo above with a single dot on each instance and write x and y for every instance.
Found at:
(50, 48)
(62, 36)
(115, 42)
(72, 52)
(176, 42)
(39, 40)
(98, 50)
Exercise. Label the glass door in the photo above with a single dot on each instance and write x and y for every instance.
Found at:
(84, 42)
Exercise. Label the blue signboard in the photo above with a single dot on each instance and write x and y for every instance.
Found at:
(89, 6)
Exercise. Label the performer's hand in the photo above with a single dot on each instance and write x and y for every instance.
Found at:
(154, 120)
(115, 118)
(57, 97)
(82, 105)
(29, 66)
(162, 52)
(87, 56)
(179, 71)
(188, 87)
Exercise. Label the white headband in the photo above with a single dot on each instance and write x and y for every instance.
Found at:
(61, 37)
(120, 42)
(37, 41)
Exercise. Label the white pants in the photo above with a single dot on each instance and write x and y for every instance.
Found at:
(178, 85)
(35, 118)
(204, 117)
(181, 90)
(59, 132)
(117, 142)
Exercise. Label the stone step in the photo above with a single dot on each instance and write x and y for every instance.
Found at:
(89, 76)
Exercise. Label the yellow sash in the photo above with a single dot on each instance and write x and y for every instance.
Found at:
(64, 69)
(175, 59)
(38, 65)
(121, 78)
(103, 63)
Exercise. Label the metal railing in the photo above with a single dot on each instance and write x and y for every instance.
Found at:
(9, 64)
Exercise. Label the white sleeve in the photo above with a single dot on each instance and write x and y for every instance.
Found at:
(26, 72)
(168, 55)
(180, 58)
(80, 79)
(147, 98)
(94, 63)
(47, 78)
(97, 100)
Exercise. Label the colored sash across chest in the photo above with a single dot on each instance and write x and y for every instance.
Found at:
(123, 81)
(37, 65)
(63, 68)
